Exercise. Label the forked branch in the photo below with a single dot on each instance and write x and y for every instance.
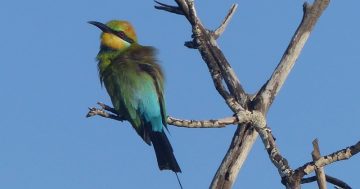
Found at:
(219, 67)
(343, 154)
(249, 111)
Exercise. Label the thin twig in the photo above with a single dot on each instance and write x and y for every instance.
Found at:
(217, 33)
(168, 8)
(213, 123)
(335, 181)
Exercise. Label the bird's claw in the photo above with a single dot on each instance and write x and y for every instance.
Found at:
(102, 105)
(92, 112)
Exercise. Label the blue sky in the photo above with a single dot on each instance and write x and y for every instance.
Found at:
(48, 78)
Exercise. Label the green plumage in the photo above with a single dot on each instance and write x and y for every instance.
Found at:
(133, 73)
(135, 84)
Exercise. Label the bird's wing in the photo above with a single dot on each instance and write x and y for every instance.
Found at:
(135, 86)
(154, 71)
(145, 58)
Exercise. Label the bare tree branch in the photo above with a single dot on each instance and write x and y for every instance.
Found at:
(249, 110)
(235, 96)
(217, 33)
(255, 118)
(343, 154)
(213, 123)
(235, 157)
(276, 158)
(168, 8)
(271, 88)
(294, 178)
(213, 56)
(217, 64)
(263, 104)
(201, 40)
(320, 173)
(329, 179)
(263, 101)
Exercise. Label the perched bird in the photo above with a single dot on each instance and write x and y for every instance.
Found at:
(134, 82)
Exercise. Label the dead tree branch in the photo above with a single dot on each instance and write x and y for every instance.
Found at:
(274, 154)
(109, 112)
(319, 171)
(206, 44)
(249, 111)
(168, 8)
(217, 33)
(235, 97)
(343, 154)
(296, 177)
(255, 118)
(218, 65)
(268, 92)
(213, 123)
(329, 179)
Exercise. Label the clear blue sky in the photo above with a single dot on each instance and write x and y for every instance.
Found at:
(48, 78)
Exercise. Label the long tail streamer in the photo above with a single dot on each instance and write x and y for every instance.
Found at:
(178, 180)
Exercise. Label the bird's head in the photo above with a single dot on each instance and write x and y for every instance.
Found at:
(116, 34)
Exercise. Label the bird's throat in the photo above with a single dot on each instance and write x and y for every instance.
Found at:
(113, 42)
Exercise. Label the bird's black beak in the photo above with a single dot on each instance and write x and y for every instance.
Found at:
(101, 26)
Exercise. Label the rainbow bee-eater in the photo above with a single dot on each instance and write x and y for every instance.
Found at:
(134, 82)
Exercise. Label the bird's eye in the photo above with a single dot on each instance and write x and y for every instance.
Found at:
(121, 34)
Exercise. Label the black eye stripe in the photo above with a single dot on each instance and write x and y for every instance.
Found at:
(123, 36)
